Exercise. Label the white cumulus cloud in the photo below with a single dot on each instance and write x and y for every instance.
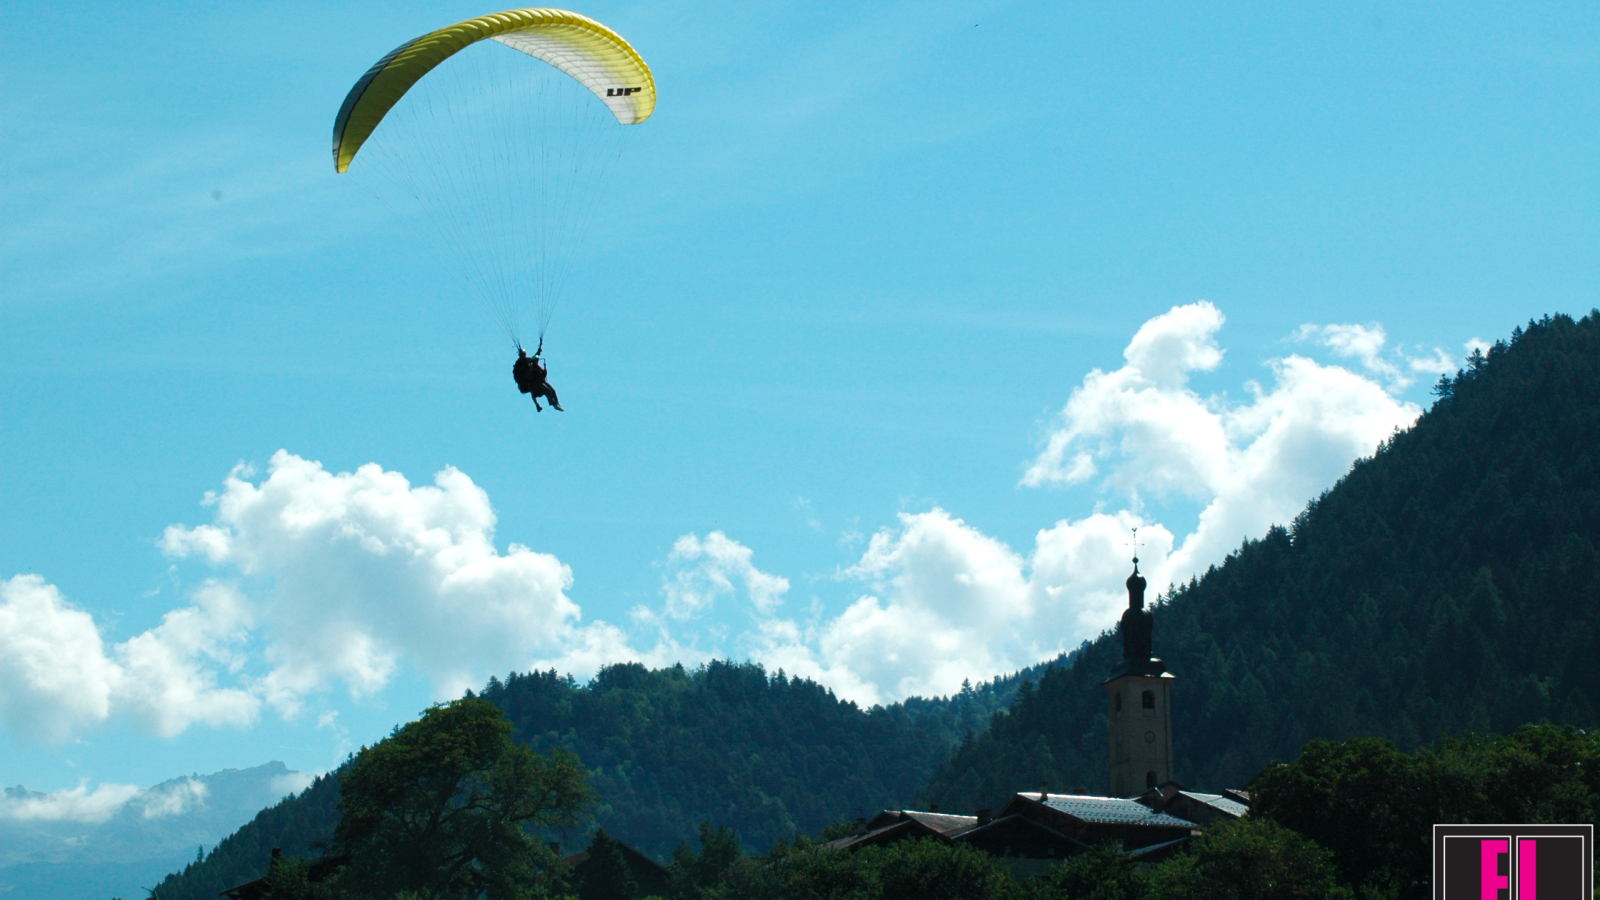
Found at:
(946, 603)
(292, 783)
(54, 674)
(1363, 343)
(57, 675)
(1143, 431)
(174, 799)
(1142, 417)
(167, 682)
(703, 574)
(716, 567)
(79, 804)
(358, 572)
(949, 602)
(326, 579)
(84, 805)
(1368, 345)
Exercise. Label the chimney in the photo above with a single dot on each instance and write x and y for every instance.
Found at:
(985, 816)
(933, 807)
(861, 825)
(1044, 792)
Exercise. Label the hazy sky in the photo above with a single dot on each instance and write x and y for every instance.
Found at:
(902, 317)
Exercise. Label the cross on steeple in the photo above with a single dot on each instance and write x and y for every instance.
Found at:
(1135, 543)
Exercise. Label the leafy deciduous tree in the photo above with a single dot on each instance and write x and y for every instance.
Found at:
(1103, 873)
(1249, 859)
(443, 807)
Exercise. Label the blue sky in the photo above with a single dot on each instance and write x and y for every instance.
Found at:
(836, 405)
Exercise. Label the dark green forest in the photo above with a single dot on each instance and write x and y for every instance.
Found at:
(1446, 585)
(769, 755)
(1450, 583)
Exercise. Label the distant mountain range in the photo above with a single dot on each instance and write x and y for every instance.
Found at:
(119, 841)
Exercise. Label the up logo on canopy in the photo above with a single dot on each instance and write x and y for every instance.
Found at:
(1513, 862)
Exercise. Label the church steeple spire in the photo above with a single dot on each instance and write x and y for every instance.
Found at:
(1139, 690)
(1136, 627)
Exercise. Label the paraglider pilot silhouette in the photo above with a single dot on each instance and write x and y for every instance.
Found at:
(530, 374)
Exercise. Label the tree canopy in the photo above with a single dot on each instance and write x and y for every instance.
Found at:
(766, 754)
(444, 807)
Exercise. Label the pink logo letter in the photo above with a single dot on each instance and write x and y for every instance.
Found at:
(1527, 869)
(1492, 881)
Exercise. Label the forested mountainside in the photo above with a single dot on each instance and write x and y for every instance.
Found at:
(1448, 584)
(770, 755)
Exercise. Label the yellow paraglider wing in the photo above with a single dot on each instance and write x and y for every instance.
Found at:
(591, 53)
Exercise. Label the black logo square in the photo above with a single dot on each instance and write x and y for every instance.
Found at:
(1513, 862)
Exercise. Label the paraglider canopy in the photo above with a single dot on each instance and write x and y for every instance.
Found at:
(486, 139)
(594, 55)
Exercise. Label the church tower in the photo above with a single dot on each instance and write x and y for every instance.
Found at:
(1138, 693)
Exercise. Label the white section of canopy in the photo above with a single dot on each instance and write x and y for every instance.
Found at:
(573, 50)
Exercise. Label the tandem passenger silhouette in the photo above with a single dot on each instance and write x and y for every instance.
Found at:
(530, 375)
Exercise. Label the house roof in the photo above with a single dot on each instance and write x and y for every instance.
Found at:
(1109, 810)
(889, 825)
(573, 860)
(1225, 805)
(944, 823)
(939, 823)
(1016, 821)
